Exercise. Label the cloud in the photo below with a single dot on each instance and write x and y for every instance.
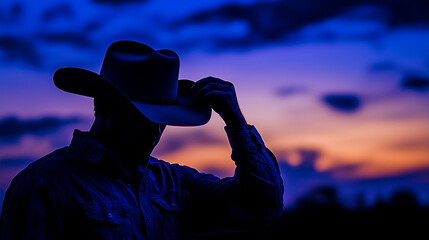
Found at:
(347, 103)
(78, 35)
(57, 12)
(417, 83)
(304, 170)
(12, 128)
(383, 66)
(77, 38)
(12, 14)
(308, 156)
(287, 91)
(417, 176)
(57, 24)
(273, 21)
(117, 2)
(298, 179)
(18, 49)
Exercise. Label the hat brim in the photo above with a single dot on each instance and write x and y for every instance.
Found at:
(186, 112)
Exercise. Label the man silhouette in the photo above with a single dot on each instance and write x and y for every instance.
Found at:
(105, 185)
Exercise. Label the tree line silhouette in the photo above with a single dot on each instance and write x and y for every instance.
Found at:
(320, 213)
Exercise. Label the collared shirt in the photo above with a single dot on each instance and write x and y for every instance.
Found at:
(82, 192)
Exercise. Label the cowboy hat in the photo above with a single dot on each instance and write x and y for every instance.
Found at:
(135, 73)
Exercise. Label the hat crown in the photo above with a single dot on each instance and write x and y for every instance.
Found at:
(142, 73)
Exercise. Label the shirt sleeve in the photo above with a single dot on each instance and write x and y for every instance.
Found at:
(30, 210)
(252, 198)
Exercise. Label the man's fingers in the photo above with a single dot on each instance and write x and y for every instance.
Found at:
(220, 94)
(209, 96)
(208, 80)
(211, 87)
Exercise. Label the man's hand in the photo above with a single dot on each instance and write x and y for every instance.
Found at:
(222, 97)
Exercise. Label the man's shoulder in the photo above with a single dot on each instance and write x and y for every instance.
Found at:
(51, 163)
(46, 169)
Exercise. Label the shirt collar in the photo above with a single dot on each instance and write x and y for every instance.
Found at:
(87, 147)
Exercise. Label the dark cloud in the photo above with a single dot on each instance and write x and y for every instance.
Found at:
(304, 176)
(12, 14)
(79, 39)
(76, 36)
(92, 26)
(12, 127)
(308, 156)
(177, 142)
(417, 83)
(417, 176)
(272, 21)
(57, 12)
(307, 159)
(287, 91)
(383, 66)
(411, 12)
(18, 49)
(25, 49)
(343, 102)
(298, 179)
(345, 170)
(118, 2)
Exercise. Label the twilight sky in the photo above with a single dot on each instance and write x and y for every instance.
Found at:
(339, 90)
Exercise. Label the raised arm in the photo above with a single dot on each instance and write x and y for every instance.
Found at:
(254, 196)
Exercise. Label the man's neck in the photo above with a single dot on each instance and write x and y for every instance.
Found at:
(130, 151)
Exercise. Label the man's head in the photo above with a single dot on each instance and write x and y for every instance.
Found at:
(146, 78)
(121, 127)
